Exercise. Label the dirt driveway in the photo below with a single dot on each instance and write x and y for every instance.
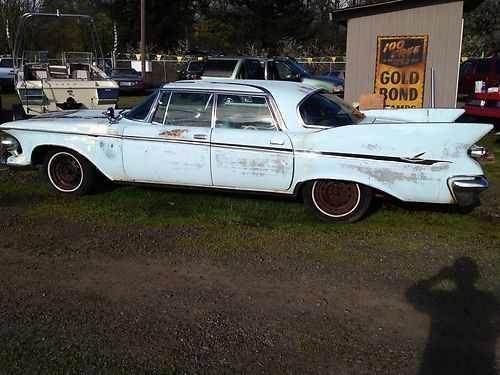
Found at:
(97, 298)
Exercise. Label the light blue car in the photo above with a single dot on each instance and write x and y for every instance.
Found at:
(262, 136)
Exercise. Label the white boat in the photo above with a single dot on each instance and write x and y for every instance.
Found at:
(54, 78)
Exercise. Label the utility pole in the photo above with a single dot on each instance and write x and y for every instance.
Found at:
(143, 40)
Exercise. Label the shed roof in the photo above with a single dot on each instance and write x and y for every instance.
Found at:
(394, 5)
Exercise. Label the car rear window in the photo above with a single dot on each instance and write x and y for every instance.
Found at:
(123, 72)
(6, 63)
(327, 110)
(219, 68)
(195, 65)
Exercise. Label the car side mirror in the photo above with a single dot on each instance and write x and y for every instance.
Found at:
(110, 115)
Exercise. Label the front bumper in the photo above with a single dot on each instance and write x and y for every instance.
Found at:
(466, 192)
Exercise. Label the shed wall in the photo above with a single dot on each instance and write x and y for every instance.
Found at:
(442, 23)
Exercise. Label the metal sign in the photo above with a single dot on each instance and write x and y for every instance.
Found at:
(400, 70)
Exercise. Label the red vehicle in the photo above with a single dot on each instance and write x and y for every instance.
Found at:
(472, 70)
(483, 104)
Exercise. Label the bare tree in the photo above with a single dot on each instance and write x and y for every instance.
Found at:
(10, 11)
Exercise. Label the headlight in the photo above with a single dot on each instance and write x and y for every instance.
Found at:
(337, 88)
(10, 144)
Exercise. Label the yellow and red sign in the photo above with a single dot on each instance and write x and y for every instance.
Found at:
(400, 70)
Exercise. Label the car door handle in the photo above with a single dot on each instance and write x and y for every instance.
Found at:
(200, 136)
(277, 142)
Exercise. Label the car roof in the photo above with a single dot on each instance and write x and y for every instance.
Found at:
(275, 88)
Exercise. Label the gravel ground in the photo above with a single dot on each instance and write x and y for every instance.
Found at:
(99, 298)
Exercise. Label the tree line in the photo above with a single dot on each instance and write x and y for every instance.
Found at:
(290, 27)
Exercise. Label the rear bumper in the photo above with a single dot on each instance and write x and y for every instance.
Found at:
(466, 191)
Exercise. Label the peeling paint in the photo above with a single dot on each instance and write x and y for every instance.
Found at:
(276, 164)
(372, 147)
(388, 176)
(173, 133)
(440, 167)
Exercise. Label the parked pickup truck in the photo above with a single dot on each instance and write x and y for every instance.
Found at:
(6, 73)
(275, 68)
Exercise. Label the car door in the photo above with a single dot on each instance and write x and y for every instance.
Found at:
(248, 151)
(174, 147)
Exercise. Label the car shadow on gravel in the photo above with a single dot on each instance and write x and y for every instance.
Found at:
(464, 330)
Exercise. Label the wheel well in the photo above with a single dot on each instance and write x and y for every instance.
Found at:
(39, 153)
(297, 192)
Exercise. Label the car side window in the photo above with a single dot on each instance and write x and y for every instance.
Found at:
(254, 69)
(244, 112)
(466, 67)
(161, 109)
(483, 67)
(284, 71)
(185, 109)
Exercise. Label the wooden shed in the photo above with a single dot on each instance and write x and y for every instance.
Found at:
(431, 28)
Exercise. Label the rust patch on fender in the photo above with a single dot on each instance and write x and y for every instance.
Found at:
(173, 133)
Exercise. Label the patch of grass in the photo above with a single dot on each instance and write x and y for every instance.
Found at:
(393, 240)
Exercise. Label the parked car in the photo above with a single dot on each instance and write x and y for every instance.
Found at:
(128, 79)
(472, 70)
(276, 68)
(484, 104)
(192, 70)
(6, 73)
(260, 136)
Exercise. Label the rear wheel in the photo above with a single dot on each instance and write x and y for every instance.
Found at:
(337, 201)
(69, 173)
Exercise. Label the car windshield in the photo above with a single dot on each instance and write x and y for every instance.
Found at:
(123, 72)
(297, 68)
(141, 110)
(327, 110)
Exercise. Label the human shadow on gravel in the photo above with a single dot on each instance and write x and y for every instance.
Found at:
(464, 321)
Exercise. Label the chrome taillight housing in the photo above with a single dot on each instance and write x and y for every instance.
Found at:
(478, 152)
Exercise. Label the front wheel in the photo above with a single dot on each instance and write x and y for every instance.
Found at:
(335, 201)
(68, 173)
